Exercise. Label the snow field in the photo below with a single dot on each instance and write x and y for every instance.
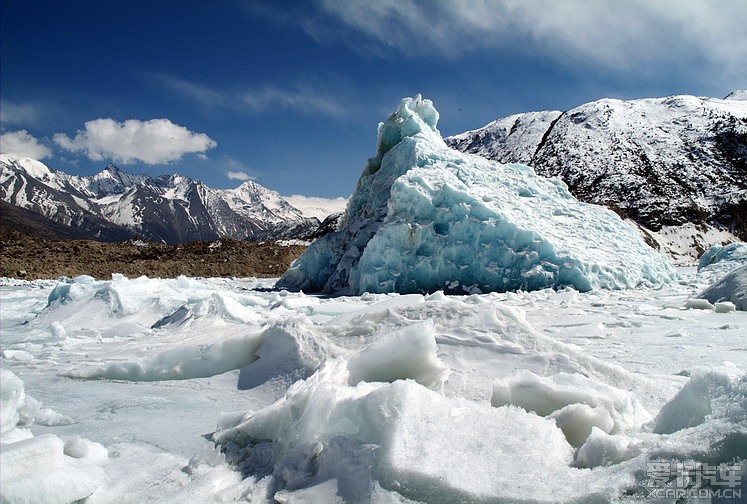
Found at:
(43, 468)
(223, 391)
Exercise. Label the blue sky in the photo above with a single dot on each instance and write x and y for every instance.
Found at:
(290, 93)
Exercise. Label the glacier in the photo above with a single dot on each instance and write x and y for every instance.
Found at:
(216, 390)
(425, 218)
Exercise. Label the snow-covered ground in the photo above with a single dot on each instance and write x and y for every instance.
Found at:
(549, 396)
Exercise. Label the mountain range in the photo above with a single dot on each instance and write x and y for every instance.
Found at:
(114, 205)
(675, 166)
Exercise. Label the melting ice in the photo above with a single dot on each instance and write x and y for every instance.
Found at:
(425, 218)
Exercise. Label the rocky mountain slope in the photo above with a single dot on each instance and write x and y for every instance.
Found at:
(676, 166)
(113, 205)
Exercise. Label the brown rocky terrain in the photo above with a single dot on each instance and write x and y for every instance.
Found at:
(33, 257)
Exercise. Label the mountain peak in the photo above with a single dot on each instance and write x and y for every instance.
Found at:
(169, 208)
(666, 163)
(739, 94)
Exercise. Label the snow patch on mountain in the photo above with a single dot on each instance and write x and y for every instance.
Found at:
(739, 94)
(317, 207)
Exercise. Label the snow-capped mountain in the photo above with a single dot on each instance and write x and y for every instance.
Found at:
(114, 205)
(676, 166)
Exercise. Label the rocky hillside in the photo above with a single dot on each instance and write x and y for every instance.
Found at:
(676, 166)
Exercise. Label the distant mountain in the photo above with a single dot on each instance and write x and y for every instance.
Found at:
(676, 166)
(113, 205)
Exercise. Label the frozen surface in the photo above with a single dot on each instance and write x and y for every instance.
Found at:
(723, 256)
(425, 218)
(726, 267)
(42, 468)
(731, 289)
(214, 390)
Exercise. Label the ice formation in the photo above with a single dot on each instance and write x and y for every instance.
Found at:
(42, 468)
(537, 397)
(725, 267)
(723, 256)
(576, 402)
(425, 218)
(731, 288)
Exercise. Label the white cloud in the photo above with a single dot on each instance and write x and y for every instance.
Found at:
(315, 206)
(236, 170)
(21, 143)
(239, 175)
(157, 141)
(20, 114)
(306, 98)
(303, 99)
(610, 33)
(196, 92)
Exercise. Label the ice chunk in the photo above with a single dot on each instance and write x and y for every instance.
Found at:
(196, 357)
(408, 353)
(408, 438)
(576, 402)
(57, 330)
(43, 468)
(70, 289)
(603, 449)
(735, 253)
(181, 316)
(12, 398)
(38, 470)
(699, 304)
(425, 218)
(578, 420)
(724, 307)
(731, 288)
(289, 350)
(708, 393)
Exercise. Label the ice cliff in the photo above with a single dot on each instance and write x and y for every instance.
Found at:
(425, 218)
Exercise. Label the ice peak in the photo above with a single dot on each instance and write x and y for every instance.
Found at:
(414, 117)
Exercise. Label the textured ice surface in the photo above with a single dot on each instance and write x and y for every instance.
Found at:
(729, 256)
(425, 218)
(731, 288)
(408, 353)
(43, 468)
(725, 267)
(402, 434)
(576, 402)
(373, 398)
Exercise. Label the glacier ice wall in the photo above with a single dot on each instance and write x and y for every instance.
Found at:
(425, 218)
